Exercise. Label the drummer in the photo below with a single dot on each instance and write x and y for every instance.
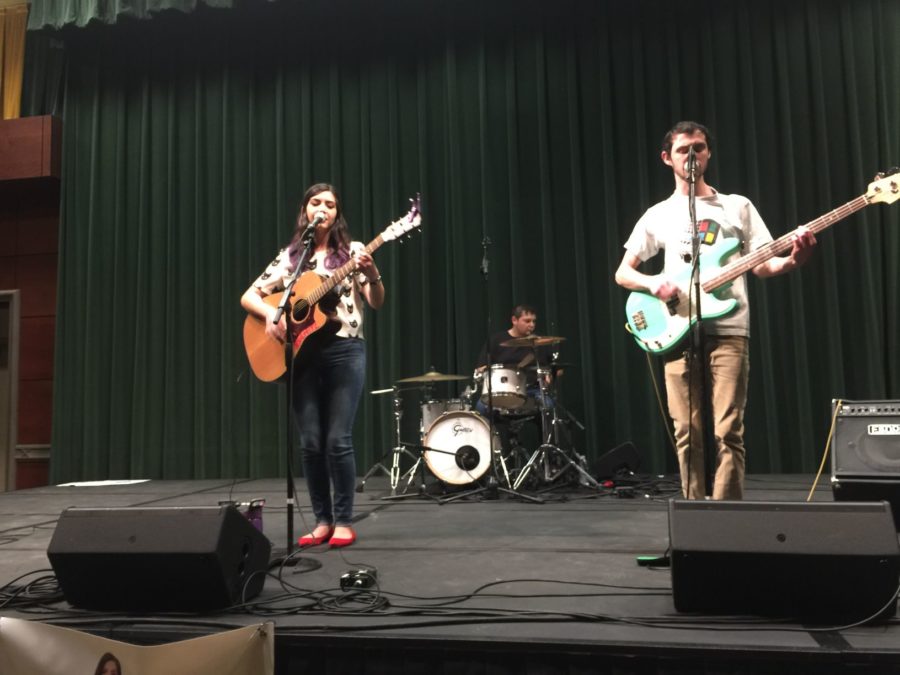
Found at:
(523, 358)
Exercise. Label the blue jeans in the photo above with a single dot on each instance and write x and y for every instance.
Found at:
(326, 395)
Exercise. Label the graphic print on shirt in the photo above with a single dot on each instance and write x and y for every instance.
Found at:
(708, 233)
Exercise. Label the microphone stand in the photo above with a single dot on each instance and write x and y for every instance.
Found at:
(696, 353)
(493, 482)
(284, 308)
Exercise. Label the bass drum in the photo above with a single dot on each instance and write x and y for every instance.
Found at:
(459, 447)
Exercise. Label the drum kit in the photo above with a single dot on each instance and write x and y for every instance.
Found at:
(460, 445)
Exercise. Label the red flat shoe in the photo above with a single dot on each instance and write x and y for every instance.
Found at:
(312, 540)
(340, 542)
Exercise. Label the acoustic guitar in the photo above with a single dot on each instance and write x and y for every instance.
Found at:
(309, 319)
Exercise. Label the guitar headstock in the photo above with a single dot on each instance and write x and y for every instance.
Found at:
(407, 223)
(885, 188)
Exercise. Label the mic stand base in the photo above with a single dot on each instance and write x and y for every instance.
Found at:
(281, 558)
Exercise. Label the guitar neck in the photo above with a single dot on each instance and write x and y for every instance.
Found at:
(780, 246)
(340, 274)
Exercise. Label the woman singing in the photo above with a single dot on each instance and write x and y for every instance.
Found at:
(326, 391)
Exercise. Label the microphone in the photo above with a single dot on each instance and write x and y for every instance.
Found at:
(690, 167)
(320, 218)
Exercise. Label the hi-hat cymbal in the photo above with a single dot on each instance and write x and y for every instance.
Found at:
(532, 341)
(432, 376)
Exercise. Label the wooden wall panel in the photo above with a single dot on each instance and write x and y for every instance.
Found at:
(36, 278)
(29, 231)
(35, 405)
(36, 347)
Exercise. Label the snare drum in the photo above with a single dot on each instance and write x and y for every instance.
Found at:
(507, 387)
(431, 410)
(459, 447)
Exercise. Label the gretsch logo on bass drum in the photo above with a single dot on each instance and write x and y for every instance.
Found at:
(461, 429)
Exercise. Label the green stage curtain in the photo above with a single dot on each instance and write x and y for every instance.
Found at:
(63, 13)
(43, 77)
(190, 138)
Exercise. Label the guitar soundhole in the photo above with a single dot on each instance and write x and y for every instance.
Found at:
(300, 311)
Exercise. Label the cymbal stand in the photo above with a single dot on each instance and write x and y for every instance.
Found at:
(410, 475)
(418, 466)
(548, 450)
(398, 449)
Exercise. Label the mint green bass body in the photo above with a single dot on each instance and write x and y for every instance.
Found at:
(659, 327)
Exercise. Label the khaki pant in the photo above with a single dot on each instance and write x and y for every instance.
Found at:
(729, 372)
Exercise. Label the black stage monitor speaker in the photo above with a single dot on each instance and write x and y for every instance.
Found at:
(622, 458)
(865, 457)
(822, 562)
(145, 559)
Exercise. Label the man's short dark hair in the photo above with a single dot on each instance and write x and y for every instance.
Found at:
(686, 127)
(519, 310)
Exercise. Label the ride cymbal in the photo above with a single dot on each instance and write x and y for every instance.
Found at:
(532, 341)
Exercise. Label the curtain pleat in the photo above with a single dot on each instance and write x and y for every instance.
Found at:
(532, 131)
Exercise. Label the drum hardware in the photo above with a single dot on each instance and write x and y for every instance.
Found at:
(399, 449)
(467, 458)
(548, 451)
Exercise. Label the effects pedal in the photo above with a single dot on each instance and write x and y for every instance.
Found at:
(361, 578)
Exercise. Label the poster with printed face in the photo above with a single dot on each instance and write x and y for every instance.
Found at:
(29, 647)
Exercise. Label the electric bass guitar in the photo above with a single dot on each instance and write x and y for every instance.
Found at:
(308, 318)
(659, 326)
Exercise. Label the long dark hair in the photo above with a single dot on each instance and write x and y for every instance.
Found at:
(339, 236)
(106, 658)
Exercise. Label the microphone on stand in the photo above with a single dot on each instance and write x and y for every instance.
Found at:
(690, 167)
(320, 218)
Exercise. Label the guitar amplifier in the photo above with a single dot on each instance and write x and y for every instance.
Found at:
(865, 452)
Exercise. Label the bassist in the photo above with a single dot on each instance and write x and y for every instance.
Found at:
(667, 227)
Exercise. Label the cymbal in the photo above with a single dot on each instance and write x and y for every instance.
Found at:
(532, 341)
(557, 365)
(432, 376)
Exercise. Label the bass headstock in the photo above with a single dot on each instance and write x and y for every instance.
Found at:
(885, 188)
